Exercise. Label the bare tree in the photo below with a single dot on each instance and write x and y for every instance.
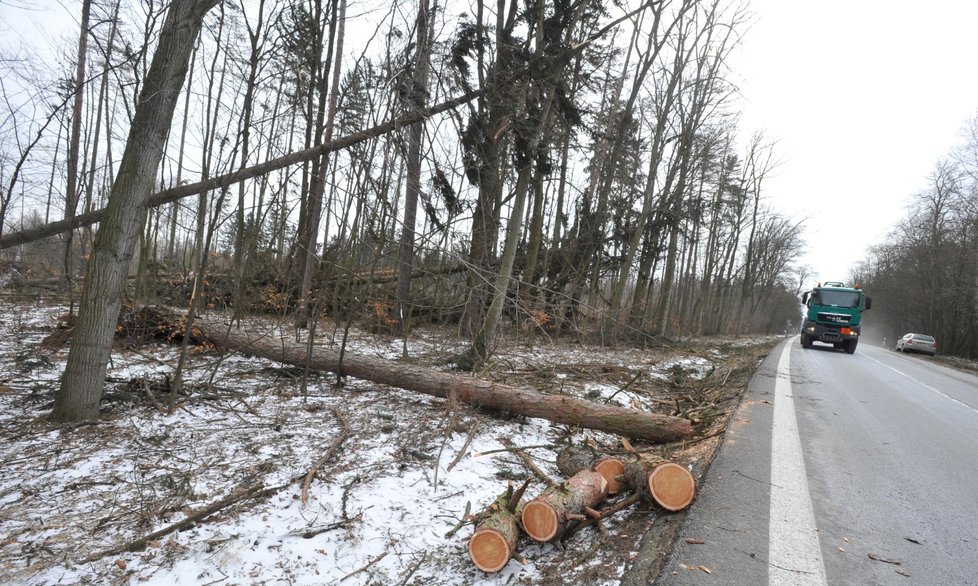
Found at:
(84, 377)
(416, 97)
(74, 140)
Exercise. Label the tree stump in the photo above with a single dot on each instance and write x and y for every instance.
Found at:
(546, 517)
(573, 459)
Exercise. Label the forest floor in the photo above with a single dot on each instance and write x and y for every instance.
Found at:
(397, 471)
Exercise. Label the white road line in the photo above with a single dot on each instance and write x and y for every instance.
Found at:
(925, 385)
(794, 555)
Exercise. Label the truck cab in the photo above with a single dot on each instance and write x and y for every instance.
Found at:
(833, 315)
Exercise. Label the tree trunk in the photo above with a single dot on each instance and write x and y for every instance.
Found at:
(573, 459)
(244, 129)
(318, 187)
(547, 516)
(654, 478)
(84, 376)
(71, 188)
(666, 483)
(416, 100)
(494, 541)
(557, 408)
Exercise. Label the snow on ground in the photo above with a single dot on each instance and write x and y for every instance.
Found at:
(403, 468)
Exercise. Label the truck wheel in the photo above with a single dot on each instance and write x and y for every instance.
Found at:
(850, 346)
(806, 342)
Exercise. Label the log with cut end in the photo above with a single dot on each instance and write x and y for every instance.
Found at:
(572, 411)
(546, 517)
(494, 541)
(655, 478)
(666, 483)
(573, 459)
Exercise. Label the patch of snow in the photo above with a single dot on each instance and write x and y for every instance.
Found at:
(380, 509)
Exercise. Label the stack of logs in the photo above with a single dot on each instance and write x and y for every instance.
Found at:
(592, 477)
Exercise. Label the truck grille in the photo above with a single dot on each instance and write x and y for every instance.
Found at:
(835, 318)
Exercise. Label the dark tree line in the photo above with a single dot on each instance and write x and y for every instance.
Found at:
(590, 180)
(924, 277)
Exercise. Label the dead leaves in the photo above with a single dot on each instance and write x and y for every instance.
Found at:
(879, 558)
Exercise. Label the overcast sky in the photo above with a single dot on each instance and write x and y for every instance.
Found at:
(864, 98)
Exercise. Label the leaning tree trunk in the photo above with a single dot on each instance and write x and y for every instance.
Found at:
(623, 421)
(84, 376)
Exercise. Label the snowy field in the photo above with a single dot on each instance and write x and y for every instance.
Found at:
(395, 471)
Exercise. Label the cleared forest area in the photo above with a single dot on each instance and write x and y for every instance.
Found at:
(313, 482)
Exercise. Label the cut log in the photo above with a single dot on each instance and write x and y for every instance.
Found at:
(572, 411)
(663, 482)
(494, 541)
(496, 532)
(573, 459)
(666, 483)
(546, 517)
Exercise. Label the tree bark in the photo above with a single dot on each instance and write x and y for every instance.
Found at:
(573, 459)
(547, 516)
(84, 376)
(71, 187)
(666, 483)
(417, 97)
(496, 533)
(630, 423)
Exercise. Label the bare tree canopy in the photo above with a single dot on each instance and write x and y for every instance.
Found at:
(588, 174)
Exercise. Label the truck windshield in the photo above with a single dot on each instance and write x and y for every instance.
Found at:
(837, 298)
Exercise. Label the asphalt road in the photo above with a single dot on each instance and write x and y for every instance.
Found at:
(853, 469)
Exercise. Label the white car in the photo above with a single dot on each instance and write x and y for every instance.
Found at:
(917, 343)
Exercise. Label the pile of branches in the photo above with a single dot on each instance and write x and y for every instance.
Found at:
(136, 326)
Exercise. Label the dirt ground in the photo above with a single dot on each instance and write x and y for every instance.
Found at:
(290, 477)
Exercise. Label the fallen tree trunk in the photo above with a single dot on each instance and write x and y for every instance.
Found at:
(390, 275)
(548, 516)
(572, 411)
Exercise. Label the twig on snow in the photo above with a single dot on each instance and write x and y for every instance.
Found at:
(149, 395)
(414, 568)
(465, 447)
(367, 565)
(528, 461)
(327, 455)
(257, 491)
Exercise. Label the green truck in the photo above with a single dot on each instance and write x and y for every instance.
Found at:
(833, 315)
